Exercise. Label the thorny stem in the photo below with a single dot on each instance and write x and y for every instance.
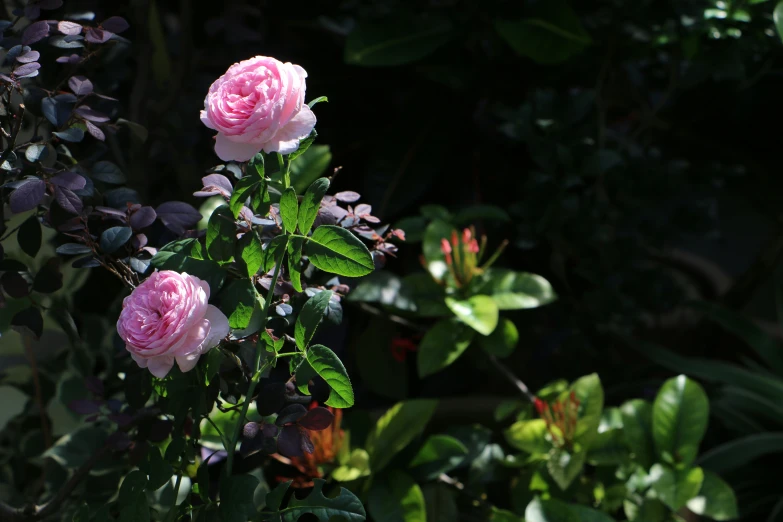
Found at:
(258, 370)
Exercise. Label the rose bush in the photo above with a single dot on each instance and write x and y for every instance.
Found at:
(167, 318)
(258, 104)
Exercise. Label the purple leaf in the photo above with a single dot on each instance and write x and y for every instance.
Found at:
(115, 405)
(139, 241)
(291, 413)
(29, 320)
(119, 440)
(143, 218)
(112, 212)
(94, 131)
(307, 444)
(115, 24)
(14, 284)
(80, 85)
(69, 180)
(69, 201)
(347, 196)
(35, 32)
(363, 209)
(69, 28)
(289, 442)
(27, 196)
(72, 134)
(317, 419)
(31, 12)
(84, 406)
(215, 183)
(28, 56)
(89, 114)
(95, 35)
(27, 70)
(72, 59)
(178, 216)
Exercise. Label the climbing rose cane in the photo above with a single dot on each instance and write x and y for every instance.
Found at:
(258, 104)
(166, 319)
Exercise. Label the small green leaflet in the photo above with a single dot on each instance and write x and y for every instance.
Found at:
(311, 202)
(337, 251)
(331, 369)
(294, 258)
(244, 188)
(289, 210)
(221, 234)
(320, 99)
(304, 144)
(274, 252)
(252, 253)
(236, 498)
(310, 317)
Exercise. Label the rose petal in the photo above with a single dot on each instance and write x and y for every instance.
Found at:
(229, 150)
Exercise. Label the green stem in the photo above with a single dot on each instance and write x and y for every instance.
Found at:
(258, 370)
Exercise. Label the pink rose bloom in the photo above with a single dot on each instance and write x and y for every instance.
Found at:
(166, 319)
(258, 104)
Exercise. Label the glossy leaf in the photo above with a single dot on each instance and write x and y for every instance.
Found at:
(294, 250)
(330, 368)
(675, 487)
(244, 189)
(396, 429)
(502, 341)
(439, 454)
(515, 290)
(310, 317)
(132, 499)
(550, 510)
(236, 498)
(345, 505)
(308, 167)
(478, 311)
(27, 196)
(442, 345)
(565, 465)
(777, 16)
(530, 436)
(715, 499)
(338, 251)
(637, 429)
(680, 416)
(311, 202)
(209, 271)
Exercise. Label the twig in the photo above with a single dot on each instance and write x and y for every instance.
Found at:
(513, 379)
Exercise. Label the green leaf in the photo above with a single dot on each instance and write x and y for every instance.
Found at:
(289, 210)
(529, 436)
(82, 514)
(29, 236)
(327, 365)
(132, 500)
(115, 237)
(715, 499)
(637, 429)
(680, 416)
(345, 505)
(74, 449)
(237, 301)
(479, 312)
(13, 404)
(311, 202)
(310, 317)
(337, 251)
(608, 448)
(236, 498)
(675, 488)
(737, 453)
(304, 373)
(257, 163)
(442, 345)
(503, 515)
(310, 166)
(590, 393)
(433, 256)
(586, 514)
(158, 470)
(221, 234)
(439, 454)
(396, 498)
(502, 341)
(396, 429)
(777, 16)
(515, 290)
(202, 479)
(244, 188)
(564, 466)
(252, 253)
(274, 499)
(441, 503)
(551, 36)
(274, 252)
(320, 99)
(294, 249)
(305, 143)
(549, 511)
(396, 39)
(209, 271)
